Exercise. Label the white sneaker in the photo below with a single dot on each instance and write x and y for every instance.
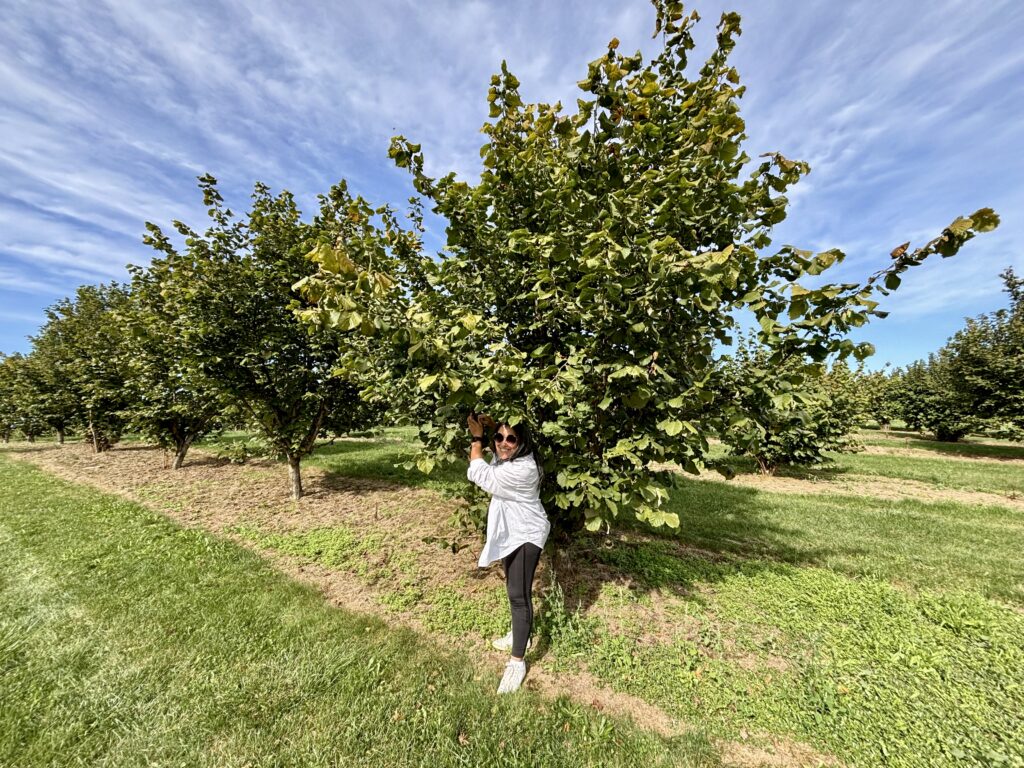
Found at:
(515, 671)
(505, 643)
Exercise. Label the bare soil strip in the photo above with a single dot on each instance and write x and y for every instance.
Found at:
(218, 496)
(900, 449)
(868, 485)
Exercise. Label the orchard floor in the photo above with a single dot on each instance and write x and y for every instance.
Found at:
(865, 614)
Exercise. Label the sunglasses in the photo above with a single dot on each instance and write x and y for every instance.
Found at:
(511, 439)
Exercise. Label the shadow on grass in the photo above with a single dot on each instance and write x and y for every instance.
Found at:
(722, 533)
(723, 529)
(377, 460)
(744, 465)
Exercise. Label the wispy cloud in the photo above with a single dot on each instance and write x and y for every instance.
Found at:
(909, 115)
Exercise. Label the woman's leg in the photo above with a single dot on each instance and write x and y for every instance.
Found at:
(520, 567)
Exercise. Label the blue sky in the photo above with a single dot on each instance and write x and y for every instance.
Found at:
(909, 113)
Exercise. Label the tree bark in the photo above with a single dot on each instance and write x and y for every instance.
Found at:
(295, 477)
(179, 454)
(60, 436)
(95, 438)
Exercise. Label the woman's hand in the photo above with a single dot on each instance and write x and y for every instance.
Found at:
(476, 428)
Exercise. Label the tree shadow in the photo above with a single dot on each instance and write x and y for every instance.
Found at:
(382, 460)
(723, 532)
(744, 465)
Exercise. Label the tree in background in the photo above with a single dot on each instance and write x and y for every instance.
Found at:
(877, 388)
(171, 401)
(589, 275)
(787, 416)
(931, 396)
(46, 386)
(230, 304)
(81, 362)
(8, 409)
(986, 359)
(27, 400)
(974, 382)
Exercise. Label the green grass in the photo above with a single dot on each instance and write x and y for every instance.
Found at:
(888, 633)
(378, 457)
(939, 545)
(866, 628)
(928, 545)
(446, 609)
(991, 477)
(1002, 477)
(126, 640)
(872, 674)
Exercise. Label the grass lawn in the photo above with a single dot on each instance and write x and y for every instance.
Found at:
(882, 632)
(993, 476)
(925, 545)
(1003, 475)
(126, 640)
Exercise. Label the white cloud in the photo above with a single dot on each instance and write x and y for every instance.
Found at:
(909, 114)
(21, 281)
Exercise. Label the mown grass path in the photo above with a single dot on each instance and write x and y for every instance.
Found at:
(127, 640)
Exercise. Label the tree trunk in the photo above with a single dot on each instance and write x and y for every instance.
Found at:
(95, 438)
(31, 438)
(60, 436)
(295, 477)
(179, 453)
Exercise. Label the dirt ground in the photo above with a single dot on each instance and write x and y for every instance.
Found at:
(867, 485)
(218, 496)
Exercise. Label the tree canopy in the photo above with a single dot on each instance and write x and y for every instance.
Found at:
(229, 303)
(592, 271)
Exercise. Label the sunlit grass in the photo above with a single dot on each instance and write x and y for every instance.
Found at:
(884, 632)
(125, 640)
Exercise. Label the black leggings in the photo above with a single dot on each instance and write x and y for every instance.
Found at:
(520, 566)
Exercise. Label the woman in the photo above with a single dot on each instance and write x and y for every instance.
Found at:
(517, 527)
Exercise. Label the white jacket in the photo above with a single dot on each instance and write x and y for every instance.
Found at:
(515, 515)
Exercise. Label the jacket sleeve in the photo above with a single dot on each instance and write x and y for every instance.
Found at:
(496, 479)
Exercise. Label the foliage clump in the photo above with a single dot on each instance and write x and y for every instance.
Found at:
(229, 302)
(789, 415)
(974, 383)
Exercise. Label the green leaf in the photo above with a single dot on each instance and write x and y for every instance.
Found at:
(670, 427)
(985, 220)
(960, 226)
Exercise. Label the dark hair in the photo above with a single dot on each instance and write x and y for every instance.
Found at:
(524, 444)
